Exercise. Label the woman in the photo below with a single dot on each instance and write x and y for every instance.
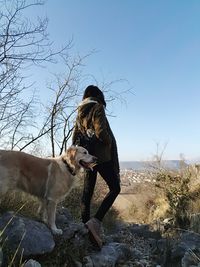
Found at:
(92, 131)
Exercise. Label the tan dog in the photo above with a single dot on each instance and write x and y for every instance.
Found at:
(49, 179)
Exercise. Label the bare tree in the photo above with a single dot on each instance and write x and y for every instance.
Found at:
(22, 43)
(158, 157)
(61, 109)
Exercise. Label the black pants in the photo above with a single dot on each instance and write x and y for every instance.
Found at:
(107, 172)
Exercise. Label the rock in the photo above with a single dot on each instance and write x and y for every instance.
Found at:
(189, 259)
(35, 237)
(73, 243)
(75, 235)
(188, 242)
(75, 229)
(32, 263)
(185, 251)
(191, 239)
(145, 247)
(63, 218)
(110, 255)
(162, 244)
(87, 262)
(143, 231)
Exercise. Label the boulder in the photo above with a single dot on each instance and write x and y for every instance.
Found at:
(34, 237)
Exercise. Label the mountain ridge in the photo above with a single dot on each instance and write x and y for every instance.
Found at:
(144, 165)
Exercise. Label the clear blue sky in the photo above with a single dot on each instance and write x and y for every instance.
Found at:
(155, 45)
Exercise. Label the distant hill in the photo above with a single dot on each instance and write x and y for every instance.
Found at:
(143, 165)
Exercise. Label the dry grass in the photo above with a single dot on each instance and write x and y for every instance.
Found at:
(174, 194)
(148, 204)
(13, 201)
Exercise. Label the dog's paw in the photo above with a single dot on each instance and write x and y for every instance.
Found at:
(57, 231)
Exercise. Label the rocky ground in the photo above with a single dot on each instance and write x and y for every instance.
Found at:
(127, 245)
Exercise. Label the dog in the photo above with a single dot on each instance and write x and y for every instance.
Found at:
(49, 179)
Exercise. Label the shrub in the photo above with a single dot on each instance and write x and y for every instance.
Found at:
(182, 191)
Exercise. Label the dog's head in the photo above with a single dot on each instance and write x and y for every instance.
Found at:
(78, 157)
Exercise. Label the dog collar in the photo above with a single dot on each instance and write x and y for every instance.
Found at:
(70, 169)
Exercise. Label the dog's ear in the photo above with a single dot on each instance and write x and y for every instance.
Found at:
(71, 153)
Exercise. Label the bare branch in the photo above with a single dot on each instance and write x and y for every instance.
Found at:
(35, 139)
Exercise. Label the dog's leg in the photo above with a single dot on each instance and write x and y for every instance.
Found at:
(51, 213)
(42, 210)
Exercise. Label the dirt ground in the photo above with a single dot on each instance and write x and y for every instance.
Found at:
(134, 203)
